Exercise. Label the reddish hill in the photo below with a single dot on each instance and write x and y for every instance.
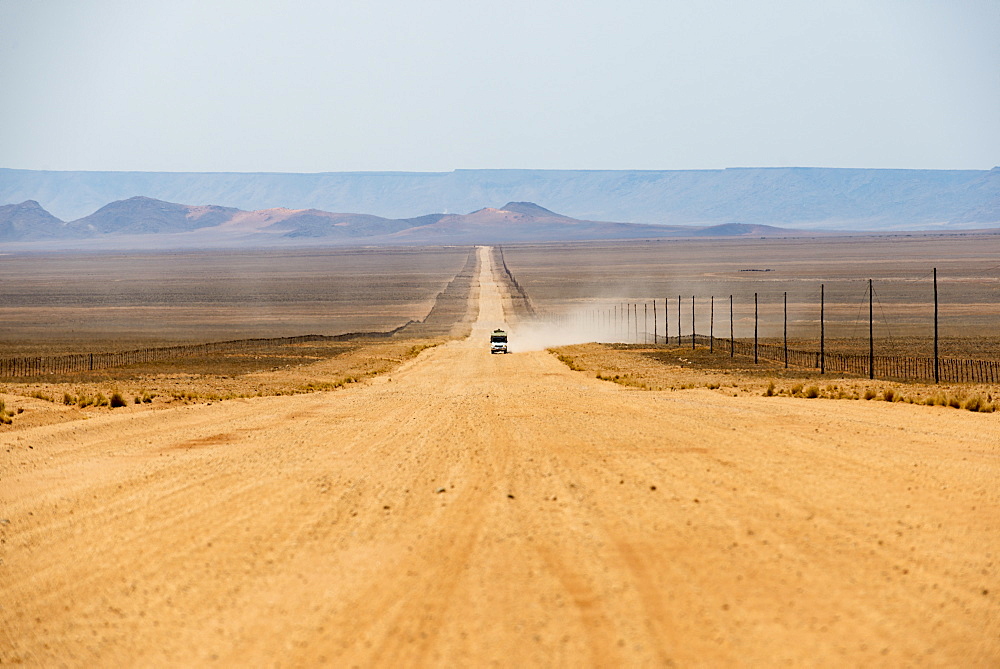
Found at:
(525, 221)
(150, 223)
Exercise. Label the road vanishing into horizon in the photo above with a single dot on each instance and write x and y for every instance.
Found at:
(470, 509)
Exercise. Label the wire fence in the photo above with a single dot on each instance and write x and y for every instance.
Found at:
(449, 306)
(915, 368)
(519, 298)
(630, 322)
(85, 362)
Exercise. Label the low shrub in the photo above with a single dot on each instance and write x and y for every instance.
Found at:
(569, 362)
(770, 390)
(812, 392)
(974, 403)
(624, 380)
(889, 394)
(117, 400)
(869, 394)
(419, 348)
(5, 416)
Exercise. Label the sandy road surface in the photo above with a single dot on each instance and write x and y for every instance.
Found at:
(580, 523)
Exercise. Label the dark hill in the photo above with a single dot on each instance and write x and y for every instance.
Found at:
(740, 230)
(144, 215)
(323, 224)
(798, 197)
(29, 220)
(525, 222)
(530, 209)
(151, 223)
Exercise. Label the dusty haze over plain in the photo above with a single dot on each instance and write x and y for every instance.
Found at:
(310, 86)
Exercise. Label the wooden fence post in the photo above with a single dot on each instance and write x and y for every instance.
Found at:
(732, 339)
(822, 331)
(786, 329)
(755, 358)
(692, 322)
(937, 375)
(678, 320)
(666, 321)
(871, 331)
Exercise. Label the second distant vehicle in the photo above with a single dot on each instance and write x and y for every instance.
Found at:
(498, 342)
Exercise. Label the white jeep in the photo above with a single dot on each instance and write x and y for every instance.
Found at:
(498, 342)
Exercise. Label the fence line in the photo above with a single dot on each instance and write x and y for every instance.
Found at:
(517, 294)
(955, 370)
(83, 362)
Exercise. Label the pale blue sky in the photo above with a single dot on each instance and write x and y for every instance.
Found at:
(438, 85)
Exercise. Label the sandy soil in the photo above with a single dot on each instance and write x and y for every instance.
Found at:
(472, 509)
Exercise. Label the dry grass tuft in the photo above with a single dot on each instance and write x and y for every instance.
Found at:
(669, 369)
(624, 380)
(313, 367)
(569, 362)
(974, 403)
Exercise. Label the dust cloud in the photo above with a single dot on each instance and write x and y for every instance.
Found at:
(538, 335)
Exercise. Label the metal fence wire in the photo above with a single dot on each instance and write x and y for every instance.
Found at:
(954, 370)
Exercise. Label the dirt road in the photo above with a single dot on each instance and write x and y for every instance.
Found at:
(472, 509)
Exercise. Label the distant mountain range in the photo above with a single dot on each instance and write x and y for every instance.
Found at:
(143, 222)
(801, 198)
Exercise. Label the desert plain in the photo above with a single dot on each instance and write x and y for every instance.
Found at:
(449, 506)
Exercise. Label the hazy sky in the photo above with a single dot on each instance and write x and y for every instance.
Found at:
(438, 85)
